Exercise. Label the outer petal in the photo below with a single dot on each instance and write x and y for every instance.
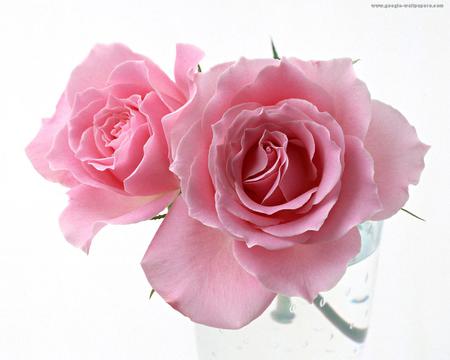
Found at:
(144, 76)
(398, 156)
(302, 270)
(90, 209)
(41, 145)
(358, 198)
(283, 81)
(133, 72)
(192, 267)
(189, 148)
(177, 124)
(237, 77)
(188, 57)
(152, 175)
(350, 97)
(97, 67)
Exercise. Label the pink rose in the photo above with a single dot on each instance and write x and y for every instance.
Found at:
(279, 162)
(106, 142)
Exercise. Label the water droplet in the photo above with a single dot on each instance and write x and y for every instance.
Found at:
(360, 300)
(292, 308)
(351, 326)
(322, 302)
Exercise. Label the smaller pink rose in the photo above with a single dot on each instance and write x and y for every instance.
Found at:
(106, 139)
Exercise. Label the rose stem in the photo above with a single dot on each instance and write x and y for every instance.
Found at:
(356, 334)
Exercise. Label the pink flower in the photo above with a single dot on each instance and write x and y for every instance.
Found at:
(106, 142)
(279, 162)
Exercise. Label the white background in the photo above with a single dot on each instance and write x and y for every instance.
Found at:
(57, 303)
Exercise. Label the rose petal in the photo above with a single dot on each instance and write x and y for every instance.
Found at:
(177, 124)
(145, 76)
(130, 153)
(187, 59)
(192, 267)
(255, 161)
(232, 80)
(61, 157)
(350, 97)
(280, 82)
(302, 270)
(87, 149)
(198, 188)
(398, 157)
(133, 72)
(300, 173)
(228, 211)
(90, 209)
(82, 120)
(358, 198)
(41, 145)
(306, 222)
(330, 154)
(298, 109)
(152, 175)
(191, 160)
(97, 67)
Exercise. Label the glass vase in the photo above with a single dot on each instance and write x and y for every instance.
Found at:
(333, 327)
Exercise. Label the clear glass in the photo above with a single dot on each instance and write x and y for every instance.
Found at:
(334, 327)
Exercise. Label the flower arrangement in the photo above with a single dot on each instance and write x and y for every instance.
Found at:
(267, 167)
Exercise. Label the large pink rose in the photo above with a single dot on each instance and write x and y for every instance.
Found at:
(106, 141)
(279, 162)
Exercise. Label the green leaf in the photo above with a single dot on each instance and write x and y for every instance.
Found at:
(413, 215)
(355, 61)
(274, 50)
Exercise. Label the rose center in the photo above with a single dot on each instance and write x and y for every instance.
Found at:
(115, 127)
(277, 169)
